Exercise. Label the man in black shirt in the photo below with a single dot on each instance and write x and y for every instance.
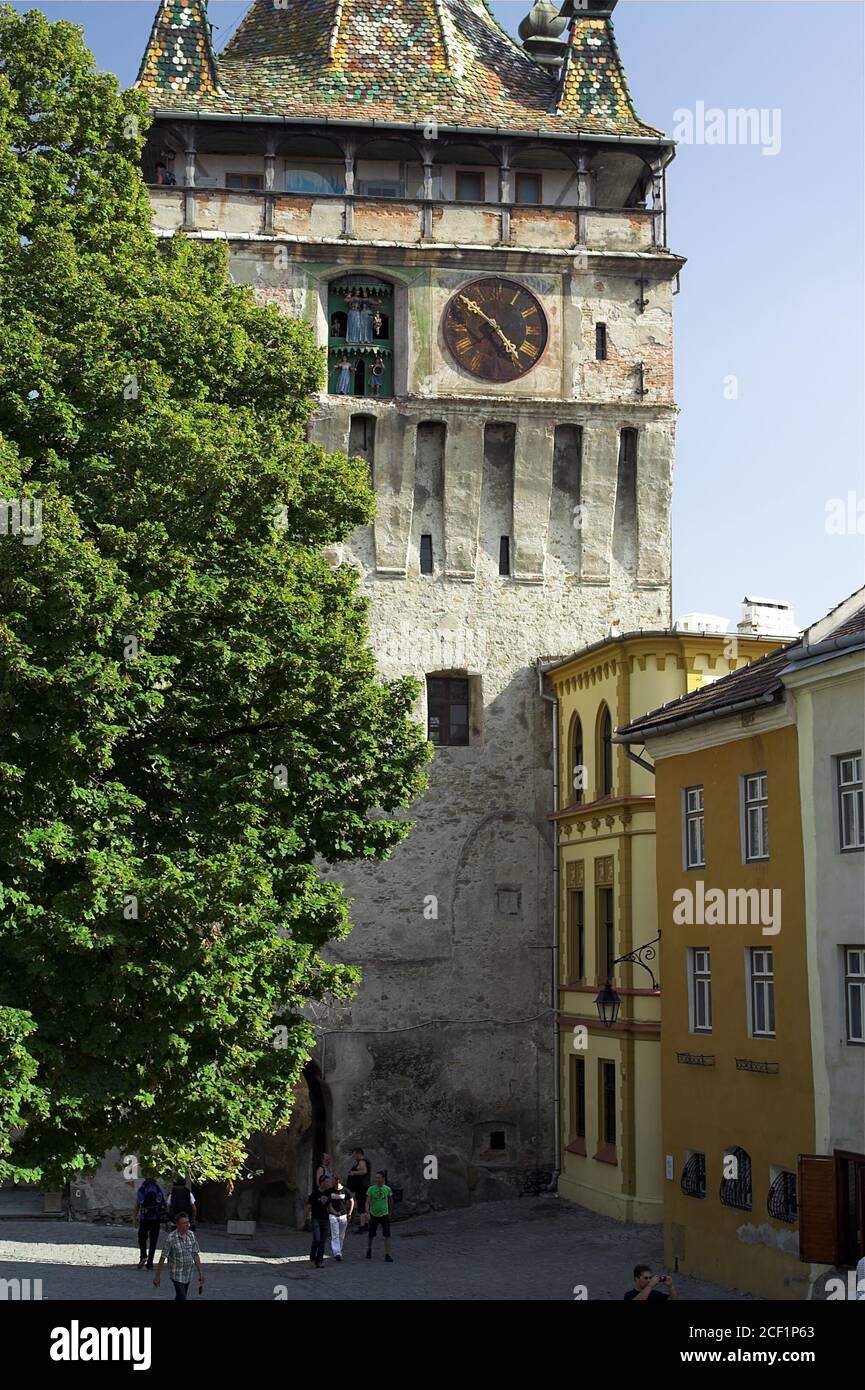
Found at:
(318, 1203)
(646, 1288)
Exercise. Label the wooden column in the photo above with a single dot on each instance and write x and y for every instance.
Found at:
(348, 216)
(505, 192)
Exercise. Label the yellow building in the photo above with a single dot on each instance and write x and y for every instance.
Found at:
(610, 1152)
(736, 1069)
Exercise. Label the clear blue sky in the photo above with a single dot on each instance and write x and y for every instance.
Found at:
(772, 293)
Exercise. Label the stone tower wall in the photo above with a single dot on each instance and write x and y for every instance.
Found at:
(451, 1038)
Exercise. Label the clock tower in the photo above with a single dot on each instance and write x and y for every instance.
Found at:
(475, 228)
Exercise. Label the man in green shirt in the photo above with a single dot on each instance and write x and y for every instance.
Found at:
(379, 1207)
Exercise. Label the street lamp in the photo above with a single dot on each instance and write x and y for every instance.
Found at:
(608, 1002)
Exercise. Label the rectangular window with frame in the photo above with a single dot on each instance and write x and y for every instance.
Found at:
(693, 830)
(762, 984)
(600, 342)
(854, 992)
(608, 1103)
(471, 186)
(700, 989)
(529, 188)
(577, 1108)
(576, 935)
(606, 949)
(850, 820)
(247, 183)
(448, 711)
(755, 791)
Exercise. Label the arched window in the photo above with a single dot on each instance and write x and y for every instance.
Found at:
(605, 753)
(360, 337)
(578, 763)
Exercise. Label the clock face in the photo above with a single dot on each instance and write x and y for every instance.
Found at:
(495, 329)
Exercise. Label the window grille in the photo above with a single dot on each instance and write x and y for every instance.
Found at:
(693, 1182)
(735, 1191)
(781, 1202)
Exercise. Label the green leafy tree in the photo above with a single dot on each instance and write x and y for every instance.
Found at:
(190, 716)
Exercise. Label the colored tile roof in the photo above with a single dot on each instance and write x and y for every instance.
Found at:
(179, 59)
(593, 80)
(442, 61)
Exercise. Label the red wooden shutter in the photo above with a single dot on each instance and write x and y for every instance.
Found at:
(818, 1209)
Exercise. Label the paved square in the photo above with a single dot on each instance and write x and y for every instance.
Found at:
(531, 1249)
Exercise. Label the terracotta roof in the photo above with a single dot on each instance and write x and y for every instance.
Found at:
(855, 623)
(444, 61)
(759, 681)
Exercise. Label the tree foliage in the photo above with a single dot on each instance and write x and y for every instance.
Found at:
(190, 716)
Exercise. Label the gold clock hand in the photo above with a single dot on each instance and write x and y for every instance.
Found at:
(476, 309)
(509, 347)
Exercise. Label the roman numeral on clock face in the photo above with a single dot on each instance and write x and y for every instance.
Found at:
(495, 329)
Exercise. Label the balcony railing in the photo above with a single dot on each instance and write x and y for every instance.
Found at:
(404, 221)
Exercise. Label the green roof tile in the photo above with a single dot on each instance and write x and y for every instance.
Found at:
(445, 61)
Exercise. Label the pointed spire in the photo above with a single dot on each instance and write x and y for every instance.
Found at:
(593, 86)
(179, 58)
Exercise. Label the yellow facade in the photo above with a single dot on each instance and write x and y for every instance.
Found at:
(748, 1092)
(611, 1154)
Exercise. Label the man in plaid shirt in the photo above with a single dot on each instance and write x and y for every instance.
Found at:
(182, 1253)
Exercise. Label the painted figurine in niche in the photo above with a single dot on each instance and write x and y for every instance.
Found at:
(344, 377)
(359, 326)
(377, 376)
(377, 322)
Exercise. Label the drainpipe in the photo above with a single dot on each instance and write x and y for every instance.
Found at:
(557, 1107)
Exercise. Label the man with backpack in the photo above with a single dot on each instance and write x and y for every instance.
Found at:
(149, 1211)
(181, 1202)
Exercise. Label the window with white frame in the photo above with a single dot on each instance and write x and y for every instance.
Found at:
(693, 827)
(755, 788)
(850, 818)
(700, 990)
(762, 983)
(854, 991)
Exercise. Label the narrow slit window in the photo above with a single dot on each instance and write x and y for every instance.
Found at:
(426, 555)
(505, 555)
(601, 342)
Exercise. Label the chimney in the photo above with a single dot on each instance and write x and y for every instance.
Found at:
(771, 617)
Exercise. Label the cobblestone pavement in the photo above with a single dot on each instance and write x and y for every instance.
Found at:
(536, 1248)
